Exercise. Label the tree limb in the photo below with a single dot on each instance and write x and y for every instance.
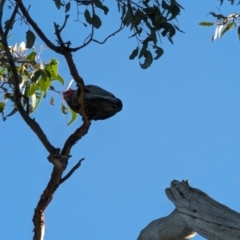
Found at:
(111, 35)
(203, 214)
(17, 97)
(195, 213)
(170, 227)
(36, 28)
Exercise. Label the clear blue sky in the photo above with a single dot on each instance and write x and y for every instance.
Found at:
(180, 120)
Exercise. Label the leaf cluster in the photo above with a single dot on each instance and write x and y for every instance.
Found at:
(149, 21)
(223, 24)
(35, 78)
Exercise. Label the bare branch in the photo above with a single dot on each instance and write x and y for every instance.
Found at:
(69, 174)
(65, 22)
(111, 35)
(86, 42)
(195, 212)
(36, 28)
(168, 228)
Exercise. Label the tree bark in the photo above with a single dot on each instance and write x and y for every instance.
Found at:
(195, 213)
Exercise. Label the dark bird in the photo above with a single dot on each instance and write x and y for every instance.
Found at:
(99, 104)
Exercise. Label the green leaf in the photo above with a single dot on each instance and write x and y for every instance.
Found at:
(88, 17)
(153, 37)
(148, 60)
(227, 28)
(2, 106)
(128, 18)
(58, 78)
(64, 109)
(67, 7)
(30, 36)
(206, 24)
(32, 89)
(99, 4)
(74, 117)
(175, 10)
(143, 50)
(36, 75)
(165, 5)
(58, 3)
(159, 51)
(12, 112)
(44, 81)
(31, 56)
(52, 67)
(96, 21)
(134, 54)
(178, 28)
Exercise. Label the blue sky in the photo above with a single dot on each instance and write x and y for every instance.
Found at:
(180, 120)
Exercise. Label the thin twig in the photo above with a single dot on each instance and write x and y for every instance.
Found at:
(86, 42)
(65, 22)
(111, 35)
(36, 28)
(69, 174)
(10, 23)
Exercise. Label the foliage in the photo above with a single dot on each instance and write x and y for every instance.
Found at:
(223, 24)
(35, 78)
(148, 20)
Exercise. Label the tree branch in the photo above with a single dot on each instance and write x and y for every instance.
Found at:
(170, 227)
(36, 28)
(91, 39)
(17, 97)
(69, 174)
(47, 195)
(111, 35)
(195, 213)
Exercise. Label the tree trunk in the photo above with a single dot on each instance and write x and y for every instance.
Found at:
(195, 213)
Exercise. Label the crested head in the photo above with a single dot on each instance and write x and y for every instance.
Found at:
(68, 93)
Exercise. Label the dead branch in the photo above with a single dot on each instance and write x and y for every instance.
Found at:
(170, 227)
(195, 212)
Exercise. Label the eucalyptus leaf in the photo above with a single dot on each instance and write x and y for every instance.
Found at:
(2, 106)
(73, 117)
(134, 54)
(88, 17)
(206, 24)
(58, 3)
(30, 39)
(67, 7)
(96, 21)
(99, 4)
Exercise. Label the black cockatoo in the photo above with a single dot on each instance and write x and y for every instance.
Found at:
(99, 104)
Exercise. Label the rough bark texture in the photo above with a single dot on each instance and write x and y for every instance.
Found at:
(171, 227)
(195, 212)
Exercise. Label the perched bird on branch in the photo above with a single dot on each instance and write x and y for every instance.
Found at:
(99, 104)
